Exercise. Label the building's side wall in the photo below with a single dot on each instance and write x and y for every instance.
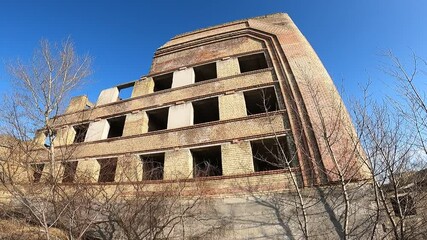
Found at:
(293, 67)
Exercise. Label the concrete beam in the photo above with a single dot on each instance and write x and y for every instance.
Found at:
(232, 106)
(108, 96)
(178, 164)
(180, 115)
(237, 158)
(227, 67)
(183, 77)
(97, 130)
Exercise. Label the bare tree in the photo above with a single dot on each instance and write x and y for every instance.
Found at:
(41, 87)
(394, 133)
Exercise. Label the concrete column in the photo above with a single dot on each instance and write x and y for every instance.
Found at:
(136, 123)
(108, 96)
(129, 169)
(227, 67)
(178, 164)
(232, 106)
(183, 77)
(64, 136)
(77, 104)
(97, 130)
(237, 158)
(180, 115)
(87, 170)
(143, 87)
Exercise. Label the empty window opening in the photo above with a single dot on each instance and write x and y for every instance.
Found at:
(206, 110)
(252, 62)
(205, 72)
(81, 131)
(163, 82)
(403, 205)
(116, 126)
(125, 91)
(271, 154)
(207, 161)
(152, 166)
(158, 119)
(261, 101)
(69, 172)
(107, 171)
(37, 171)
(49, 139)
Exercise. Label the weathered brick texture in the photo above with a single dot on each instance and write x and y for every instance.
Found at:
(143, 87)
(87, 170)
(227, 67)
(232, 106)
(136, 123)
(237, 158)
(178, 164)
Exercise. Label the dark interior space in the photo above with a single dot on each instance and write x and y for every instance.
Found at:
(252, 62)
(267, 154)
(406, 203)
(81, 131)
(163, 82)
(261, 101)
(153, 165)
(158, 119)
(207, 161)
(69, 172)
(206, 110)
(116, 126)
(38, 170)
(107, 171)
(205, 72)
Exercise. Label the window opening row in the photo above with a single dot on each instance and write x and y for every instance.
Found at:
(268, 154)
(206, 110)
(209, 71)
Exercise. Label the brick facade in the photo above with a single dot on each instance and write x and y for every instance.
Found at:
(184, 104)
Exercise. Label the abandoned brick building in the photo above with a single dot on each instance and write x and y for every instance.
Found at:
(214, 98)
(214, 101)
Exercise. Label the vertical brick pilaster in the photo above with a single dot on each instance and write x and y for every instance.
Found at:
(227, 67)
(178, 164)
(64, 136)
(136, 123)
(143, 87)
(232, 106)
(129, 169)
(237, 158)
(87, 170)
(77, 104)
(57, 174)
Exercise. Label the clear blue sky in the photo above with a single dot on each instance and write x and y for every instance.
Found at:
(123, 35)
